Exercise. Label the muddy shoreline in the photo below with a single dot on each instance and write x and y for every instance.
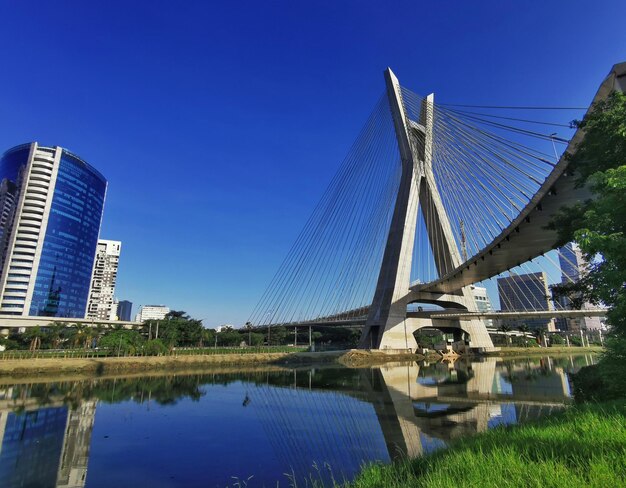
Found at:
(39, 368)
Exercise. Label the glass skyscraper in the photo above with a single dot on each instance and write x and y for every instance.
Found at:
(526, 293)
(572, 268)
(51, 204)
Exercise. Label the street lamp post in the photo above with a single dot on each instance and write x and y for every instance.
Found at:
(556, 156)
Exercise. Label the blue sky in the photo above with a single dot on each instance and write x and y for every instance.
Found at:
(219, 124)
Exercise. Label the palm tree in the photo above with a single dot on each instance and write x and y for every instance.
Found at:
(35, 334)
(540, 336)
(524, 329)
(55, 332)
(177, 314)
(249, 329)
(99, 331)
(506, 328)
(78, 334)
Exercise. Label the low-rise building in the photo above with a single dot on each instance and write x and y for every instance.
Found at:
(151, 312)
(482, 301)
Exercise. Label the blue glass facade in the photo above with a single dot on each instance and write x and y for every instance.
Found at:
(66, 263)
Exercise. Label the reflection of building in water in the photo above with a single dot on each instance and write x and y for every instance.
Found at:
(31, 446)
(75, 456)
(44, 446)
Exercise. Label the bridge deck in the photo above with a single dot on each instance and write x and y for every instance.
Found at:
(527, 237)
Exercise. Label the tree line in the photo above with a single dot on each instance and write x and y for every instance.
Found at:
(176, 330)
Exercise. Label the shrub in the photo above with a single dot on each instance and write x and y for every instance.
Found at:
(154, 347)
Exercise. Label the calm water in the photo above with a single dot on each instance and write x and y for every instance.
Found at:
(262, 428)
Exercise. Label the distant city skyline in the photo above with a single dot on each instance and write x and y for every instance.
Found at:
(219, 126)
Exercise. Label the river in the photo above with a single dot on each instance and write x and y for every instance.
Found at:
(260, 428)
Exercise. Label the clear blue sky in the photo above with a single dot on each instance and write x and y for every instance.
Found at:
(219, 124)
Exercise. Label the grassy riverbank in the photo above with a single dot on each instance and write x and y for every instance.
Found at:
(583, 446)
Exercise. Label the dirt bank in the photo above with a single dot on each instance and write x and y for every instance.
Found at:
(114, 366)
(36, 368)
(542, 351)
(101, 366)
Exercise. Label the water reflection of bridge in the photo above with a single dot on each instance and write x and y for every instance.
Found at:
(417, 407)
(336, 417)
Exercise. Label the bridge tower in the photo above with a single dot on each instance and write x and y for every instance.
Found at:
(388, 326)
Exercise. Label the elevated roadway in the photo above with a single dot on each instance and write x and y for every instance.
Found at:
(527, 237)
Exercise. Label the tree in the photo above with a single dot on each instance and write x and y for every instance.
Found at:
(229, 337)
(598, 227)
(176, 329)
(506, 328)
(122, 341)
(524, 329)
(154, 347)
(255, 339)
(540, 335)
(54, 334)
(177, 314)
(168, 333)
(80, 335)
(33, 335)
(208, 337)
(278, 335)
(557, 339)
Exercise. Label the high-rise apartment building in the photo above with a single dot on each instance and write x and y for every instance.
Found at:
(152, 312)
(124, 310)
(526, 293)
(101, 296)
(51, 204)
(572, 268)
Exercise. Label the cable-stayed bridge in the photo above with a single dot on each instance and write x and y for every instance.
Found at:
(430, 200)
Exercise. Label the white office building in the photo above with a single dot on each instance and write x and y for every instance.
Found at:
(152, 312)
(102, 305)
(483, 303)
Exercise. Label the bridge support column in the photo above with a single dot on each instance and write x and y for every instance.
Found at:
(387, 324)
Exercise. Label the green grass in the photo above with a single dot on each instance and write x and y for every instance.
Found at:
(584, 446)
